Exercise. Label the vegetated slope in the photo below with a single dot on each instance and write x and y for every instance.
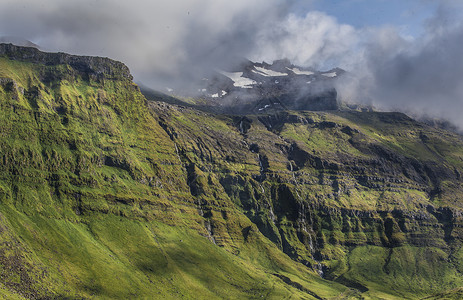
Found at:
(370, 200)
(95, 200)
(106, 195)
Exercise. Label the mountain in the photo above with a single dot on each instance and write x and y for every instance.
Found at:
(257, 88)
(107, 195)
(18, 41)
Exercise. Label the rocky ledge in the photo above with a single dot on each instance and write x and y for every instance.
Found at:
(99, 66)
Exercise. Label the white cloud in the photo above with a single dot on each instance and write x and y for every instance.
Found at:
(155, 38)
(316, 40)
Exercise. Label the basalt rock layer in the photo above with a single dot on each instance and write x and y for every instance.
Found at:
(107, 195)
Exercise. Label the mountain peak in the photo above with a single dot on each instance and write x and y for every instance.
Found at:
(256, 88)
(18, 41)
(282, 63)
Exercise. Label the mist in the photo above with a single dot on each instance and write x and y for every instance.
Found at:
(170, 43)
(160, 41)
(419, 76)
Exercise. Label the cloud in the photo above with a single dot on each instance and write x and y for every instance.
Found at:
(157, 39)
(315, 39)
(420, 76)
(164, 41)
(427, 81)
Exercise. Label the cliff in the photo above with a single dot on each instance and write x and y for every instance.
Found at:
(97, 66)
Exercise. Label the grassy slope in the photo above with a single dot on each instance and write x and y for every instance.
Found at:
(396, 271)
(119, 258)
(95, 203)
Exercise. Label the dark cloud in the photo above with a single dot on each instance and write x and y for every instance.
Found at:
(421, 76)
(426, 78)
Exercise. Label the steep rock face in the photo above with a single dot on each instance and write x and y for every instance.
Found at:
(322, 185)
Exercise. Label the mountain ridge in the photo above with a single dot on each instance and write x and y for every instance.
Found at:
(254, 88)
(97, 66)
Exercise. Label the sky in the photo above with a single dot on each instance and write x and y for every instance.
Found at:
(407, 16)
(402, 55)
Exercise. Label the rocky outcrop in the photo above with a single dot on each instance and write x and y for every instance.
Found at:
(98, 66)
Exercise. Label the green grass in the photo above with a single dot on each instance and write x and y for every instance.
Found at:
(112, 257)
(405, 272)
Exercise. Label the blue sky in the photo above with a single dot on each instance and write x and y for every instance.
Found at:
(407, 15)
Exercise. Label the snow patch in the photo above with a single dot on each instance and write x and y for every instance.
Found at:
(217, 95)
(266, 106)
(331, 74)
(239, 80)
(169, 89)
(298, 71)
(267, 72)
(259, 73)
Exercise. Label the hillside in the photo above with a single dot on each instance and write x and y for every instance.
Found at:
(107, 195)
